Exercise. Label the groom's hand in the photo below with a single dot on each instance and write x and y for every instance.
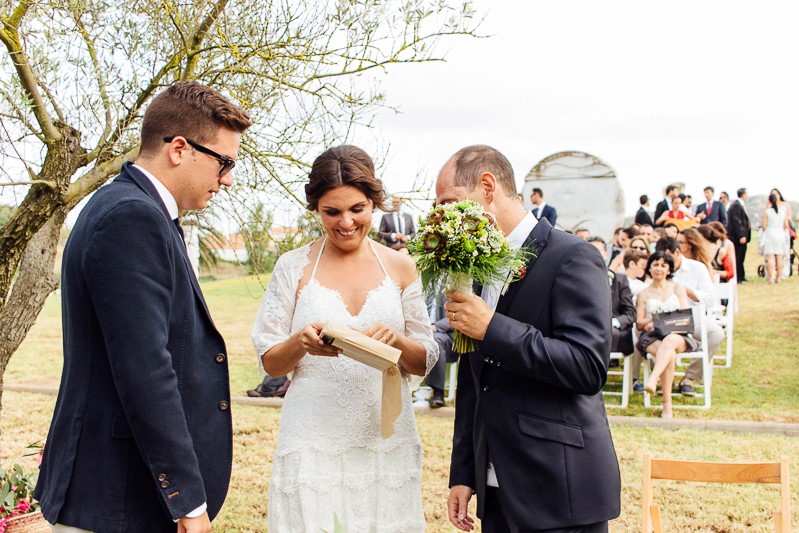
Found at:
(201, 524)
(458, 507)
(468, 313)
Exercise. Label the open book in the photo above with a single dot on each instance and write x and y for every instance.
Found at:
(358, 346)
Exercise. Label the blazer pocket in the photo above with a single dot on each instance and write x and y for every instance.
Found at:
(120, 429)
(543, 428)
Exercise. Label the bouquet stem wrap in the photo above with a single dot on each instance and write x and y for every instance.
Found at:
(392, 400)
(461, 281)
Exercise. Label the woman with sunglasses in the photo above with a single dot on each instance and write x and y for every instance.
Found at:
(662, 295)
(636, 243)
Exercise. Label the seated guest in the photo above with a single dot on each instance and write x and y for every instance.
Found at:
(670, 230)
(662, 295)
(615, 246)
(694, 246)
(622, 308)
(721, 263)
(726, 249)
(636, 243)
(635, 270)
(648, 232)
(443, 334)
(583, 233)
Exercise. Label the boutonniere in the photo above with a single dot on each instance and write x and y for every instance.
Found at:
(611, 275)
(517, 274)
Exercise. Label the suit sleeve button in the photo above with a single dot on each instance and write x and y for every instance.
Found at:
(223, 405)
(220, 358)
(164, 484)
(161, 477)
(485, 389)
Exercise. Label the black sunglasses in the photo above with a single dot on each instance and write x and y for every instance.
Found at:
(226, 162)
(638, 248)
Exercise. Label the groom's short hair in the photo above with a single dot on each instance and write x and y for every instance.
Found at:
(473, 161)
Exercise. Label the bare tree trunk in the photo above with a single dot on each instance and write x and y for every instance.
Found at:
(35, 282)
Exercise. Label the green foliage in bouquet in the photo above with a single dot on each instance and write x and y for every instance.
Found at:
(460, 243)
(462, 238)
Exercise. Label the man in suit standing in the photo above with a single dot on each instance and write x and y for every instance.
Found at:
(665, 204)
(141, 437)
(531, 435)
(642, 216)
(711, 210)
(396, 228)
(541, 209)
(740, 231)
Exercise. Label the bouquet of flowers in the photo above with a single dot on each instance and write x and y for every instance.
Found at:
(16, 495)
(459, 244)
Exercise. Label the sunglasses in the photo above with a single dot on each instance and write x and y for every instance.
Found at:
(226, 163)
(638, 248)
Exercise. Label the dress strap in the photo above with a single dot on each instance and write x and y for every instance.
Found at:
(318, 257)
(385, 272)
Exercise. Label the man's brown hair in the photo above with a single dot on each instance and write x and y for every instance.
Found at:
(191, 110)
(472, 162)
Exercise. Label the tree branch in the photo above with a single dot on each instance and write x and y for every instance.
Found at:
(9, 36)
(93, 179)
(199, 36)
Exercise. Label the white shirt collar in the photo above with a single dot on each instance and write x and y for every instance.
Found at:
(540, 207)
(740, 201)
(522, 230)
(163, 192)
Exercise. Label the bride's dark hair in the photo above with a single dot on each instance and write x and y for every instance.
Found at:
(343, 165)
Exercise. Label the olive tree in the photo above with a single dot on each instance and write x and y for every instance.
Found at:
(77, 75)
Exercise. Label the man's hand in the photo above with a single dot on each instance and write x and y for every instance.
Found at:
(468, 313)
(458, 507)
(201, 524)
(742, 240)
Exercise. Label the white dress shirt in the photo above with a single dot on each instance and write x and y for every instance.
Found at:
(694, 275)
(491, 294)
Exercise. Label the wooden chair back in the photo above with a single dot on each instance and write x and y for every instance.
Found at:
(776, 473)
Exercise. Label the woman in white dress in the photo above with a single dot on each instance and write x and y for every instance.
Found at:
(331, 462)
(786, 206)
(774, 223)
(662, 295)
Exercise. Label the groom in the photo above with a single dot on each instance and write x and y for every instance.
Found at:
(141, 437)
(531, 434)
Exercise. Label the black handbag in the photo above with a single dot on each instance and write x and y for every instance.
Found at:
(680, 321)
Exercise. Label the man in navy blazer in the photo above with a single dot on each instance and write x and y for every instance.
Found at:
(531, 435)
(711, 211)
(141, 437)
(541, 209)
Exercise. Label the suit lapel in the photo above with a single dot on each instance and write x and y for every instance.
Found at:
(535, 243)
(143, 182)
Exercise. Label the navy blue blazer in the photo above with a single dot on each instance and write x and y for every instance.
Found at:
(141, 434)
(530, 397)
(550, 213)
(718, 213)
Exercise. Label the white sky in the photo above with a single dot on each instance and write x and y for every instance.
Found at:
(700, 92)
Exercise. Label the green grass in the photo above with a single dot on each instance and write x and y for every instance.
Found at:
(761, 385)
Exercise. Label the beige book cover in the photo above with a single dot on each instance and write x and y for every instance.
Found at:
(358, 346)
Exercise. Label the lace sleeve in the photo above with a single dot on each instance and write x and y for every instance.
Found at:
(273, 321)
(417, 322)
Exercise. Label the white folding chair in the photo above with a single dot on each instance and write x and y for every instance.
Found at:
(683, 360)
(626, 373)
(726, 319)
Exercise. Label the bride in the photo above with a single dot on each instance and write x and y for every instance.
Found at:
(331, 462)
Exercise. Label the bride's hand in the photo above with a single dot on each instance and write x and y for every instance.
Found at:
(382, 333)
(312, 342)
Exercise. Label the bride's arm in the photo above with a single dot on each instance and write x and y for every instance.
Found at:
(277, 348)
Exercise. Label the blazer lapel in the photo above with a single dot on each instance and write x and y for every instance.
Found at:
(535, 243)
(143, 182)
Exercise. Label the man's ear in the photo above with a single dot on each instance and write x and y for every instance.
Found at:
(176, 151)
(488, 182)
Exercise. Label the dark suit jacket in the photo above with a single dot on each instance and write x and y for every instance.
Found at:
(142, 432)
(622, 309)
(387, 228)
(550, 213)
(717, 212)
(661, 208)
(642, 217)
(738, 224)
(530, 397)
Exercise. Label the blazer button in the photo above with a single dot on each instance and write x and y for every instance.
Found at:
(161, 477)
(499, 364)
(220, 358)
(164, 484)
(223, 405)
(485, 389)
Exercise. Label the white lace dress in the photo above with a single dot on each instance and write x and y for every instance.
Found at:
(331, 460)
